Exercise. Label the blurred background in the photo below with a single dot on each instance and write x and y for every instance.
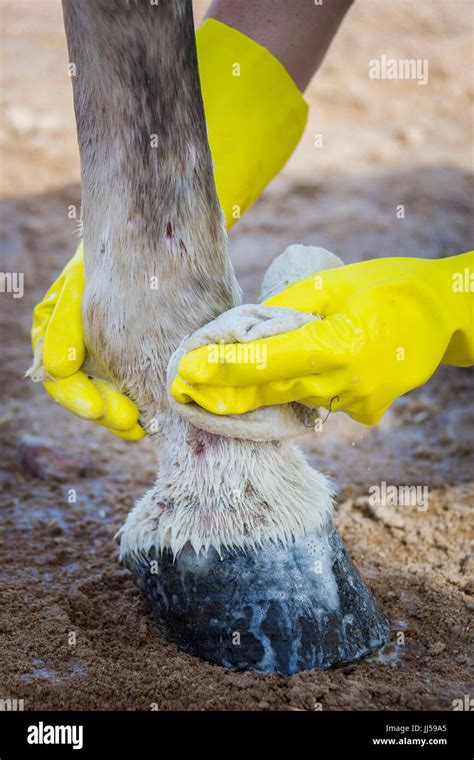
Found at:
(369, 147)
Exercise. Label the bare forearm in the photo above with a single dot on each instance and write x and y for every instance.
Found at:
(298, 33)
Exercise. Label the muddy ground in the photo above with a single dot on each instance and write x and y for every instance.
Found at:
(74, 631)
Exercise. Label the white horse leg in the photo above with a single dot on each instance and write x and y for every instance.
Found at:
(234, 547)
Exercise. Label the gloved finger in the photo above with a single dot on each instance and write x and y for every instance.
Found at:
(318, 347)
(64, 350)
(316, 389)
(77, 394)
(135, 433)
(322, 293)
(120, 411)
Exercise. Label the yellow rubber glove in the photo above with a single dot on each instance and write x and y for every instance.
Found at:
(255, 116)
(59, 349)
(254, 111)
(388, 324)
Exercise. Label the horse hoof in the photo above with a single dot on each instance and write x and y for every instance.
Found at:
(276, 609)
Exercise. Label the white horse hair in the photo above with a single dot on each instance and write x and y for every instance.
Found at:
(157, 269)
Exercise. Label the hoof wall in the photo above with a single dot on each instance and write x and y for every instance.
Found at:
(282, 609)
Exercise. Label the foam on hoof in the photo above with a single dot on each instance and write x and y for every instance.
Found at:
(274, 609)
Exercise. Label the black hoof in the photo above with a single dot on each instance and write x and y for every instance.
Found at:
(273, 610)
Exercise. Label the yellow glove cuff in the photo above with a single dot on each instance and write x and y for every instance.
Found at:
(254, 112)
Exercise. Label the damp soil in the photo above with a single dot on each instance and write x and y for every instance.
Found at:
(75, 633)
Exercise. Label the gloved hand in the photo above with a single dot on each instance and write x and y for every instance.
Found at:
(267, 101)
(58, 344)
(388, 324)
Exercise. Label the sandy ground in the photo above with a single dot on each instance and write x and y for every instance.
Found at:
(75, 634)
